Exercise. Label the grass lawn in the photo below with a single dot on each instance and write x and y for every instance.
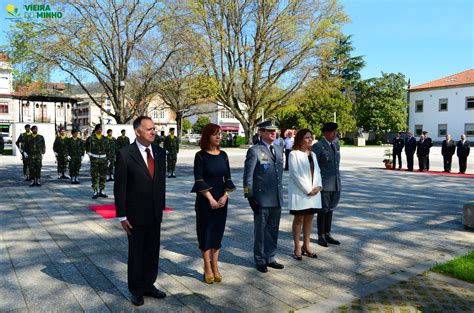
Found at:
(461, 267)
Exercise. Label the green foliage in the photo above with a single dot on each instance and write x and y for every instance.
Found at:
(200, 123)
(186, 125)
(460, 268)
(380, 104)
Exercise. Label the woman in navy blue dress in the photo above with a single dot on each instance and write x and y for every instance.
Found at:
(212, 186)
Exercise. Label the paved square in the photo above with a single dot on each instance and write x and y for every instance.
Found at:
(57, 255)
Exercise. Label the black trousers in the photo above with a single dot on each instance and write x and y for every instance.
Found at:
(462, 164)
(143, 254)
(287, 155)
(330, 200)
(447, 161)
(399, 156)
(409, 161)
(422, 162)
(427, 162)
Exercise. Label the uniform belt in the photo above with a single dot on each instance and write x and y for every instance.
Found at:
(98, 156)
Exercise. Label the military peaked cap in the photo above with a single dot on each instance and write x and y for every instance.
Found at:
(267, 125)
(329, 127)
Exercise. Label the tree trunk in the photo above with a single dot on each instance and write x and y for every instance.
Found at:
(179, 120)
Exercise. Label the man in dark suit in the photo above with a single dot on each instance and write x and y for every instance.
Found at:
(264, 190)
(428, 144)
(422, 151)
(328, 154)
(398, 145)
(410, 148)
(140, 200)
(463, 149)
(447, 150)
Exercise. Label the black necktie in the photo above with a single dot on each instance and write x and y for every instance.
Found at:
(272, 150)
(333, 149)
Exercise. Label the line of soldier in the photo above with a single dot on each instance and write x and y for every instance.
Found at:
(422, 149)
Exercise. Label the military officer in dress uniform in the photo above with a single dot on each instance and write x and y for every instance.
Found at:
(263, 189)
(75, 152)
(20, 143)
(96, 148)
(122, 141)
(463, 149)
(111, 155)
(171, 145)
(410, 148)
(428, 145)
(328, 154)
(398, 144)
(447, 150)
(422, 151)
(60, 151)
(34, 150)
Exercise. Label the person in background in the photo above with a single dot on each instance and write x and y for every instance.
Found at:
(304, 186)
(398, 144)
(289, 140)
(234, 138)
(328, 154)
(20, 143)
(2, 144)
(34, 150)
(422, 151)
(212, 186)
(410, 148)
(75, 151)
(111, 155)
(96, 147)
(463, 149)
(279, 142)
(447, 150)
(122, 141)
(171, 145)
(60, 151)
(428, 145)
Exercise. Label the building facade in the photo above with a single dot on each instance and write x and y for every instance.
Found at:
(443, 106)
(219, 115)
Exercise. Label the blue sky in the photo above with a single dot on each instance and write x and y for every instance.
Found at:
(423, 39)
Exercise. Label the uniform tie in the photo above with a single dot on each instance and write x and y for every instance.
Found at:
(272, 150)
(333, 149)
(150, 162)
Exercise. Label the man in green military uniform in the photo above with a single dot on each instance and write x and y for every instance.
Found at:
(160, 138)
(34, 150)
(60, 151)
(75, 151)
(122, 141)
(111, 155)
(171, 145)
(96, 148)
(20, 143)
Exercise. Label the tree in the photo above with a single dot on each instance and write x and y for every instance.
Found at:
(381, 105)
(261, 52)
(200, 123)
(186, 125)
(101, 40)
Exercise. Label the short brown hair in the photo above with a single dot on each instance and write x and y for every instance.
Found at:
(208, 130)
(298, 144)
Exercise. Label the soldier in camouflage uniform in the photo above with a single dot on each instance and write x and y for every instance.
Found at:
(75, 151)
(121, 141)
(111, 155)
(160, 138)
(34, 150)
(96, 147)
(20, 143)
(60, 151)
(171, 145)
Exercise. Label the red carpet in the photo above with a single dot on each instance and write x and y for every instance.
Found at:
(436, 173)
(108, 210)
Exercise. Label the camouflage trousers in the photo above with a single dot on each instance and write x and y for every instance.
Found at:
(34, 166)
(110, 168)
(62, 162)
(171, 159)
(26, 163)
(98, 172)
(74, 166)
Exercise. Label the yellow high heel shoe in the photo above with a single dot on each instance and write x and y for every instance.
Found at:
(209, 279)
(217, 278)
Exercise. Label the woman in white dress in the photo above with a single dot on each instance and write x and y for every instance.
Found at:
(304, 186)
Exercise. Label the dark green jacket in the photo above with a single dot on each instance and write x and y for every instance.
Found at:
(35, 146)
(75, 147)
(97, 146)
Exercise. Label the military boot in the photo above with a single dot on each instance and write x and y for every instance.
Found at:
(38, 182)
(33, 182)
(76, 179)
(63, 176)
(96, 194)
(102, 195)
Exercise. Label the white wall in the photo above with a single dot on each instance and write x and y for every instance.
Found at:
(455, 117)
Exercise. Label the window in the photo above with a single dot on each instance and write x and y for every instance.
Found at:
(469, 129)
(442, 130)
(470, 103)
(155, 114)
(226, 114)
(418, 130)
(419, 106)
(4, 108)
(162, 113)
(443, 105)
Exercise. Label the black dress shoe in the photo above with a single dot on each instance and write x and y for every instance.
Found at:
(137, 300)
(102, 195)
(262, 268)
(331, 240)
(155, 293)
(322, 241)
(276, 265)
